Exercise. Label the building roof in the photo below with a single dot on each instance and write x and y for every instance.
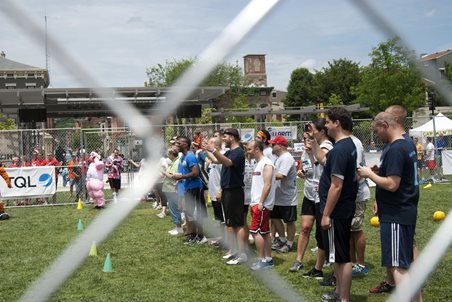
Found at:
(435, 55)
(6, 64)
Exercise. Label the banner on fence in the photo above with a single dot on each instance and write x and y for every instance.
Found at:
(29, 182)
(447, 162)
(246, 134)
(288, 132)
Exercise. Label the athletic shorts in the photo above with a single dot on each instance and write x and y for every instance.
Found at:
(336, 241)
(358, 219)
(308, 207)
(431, 164)
(233, 208)
(195, 205)
(286, 213)
(115, 183)
(396, 244)
(260, 220)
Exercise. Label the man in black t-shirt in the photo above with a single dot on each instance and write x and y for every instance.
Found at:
(232, 194)
(337, 191)
(397, 195)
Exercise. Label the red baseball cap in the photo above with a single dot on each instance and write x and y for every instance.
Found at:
(278, 140)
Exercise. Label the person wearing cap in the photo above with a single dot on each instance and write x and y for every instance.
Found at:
(286, 195)
(233, 196)
(264, 136)
(338, 189)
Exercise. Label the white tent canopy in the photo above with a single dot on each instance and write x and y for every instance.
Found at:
(443, 125)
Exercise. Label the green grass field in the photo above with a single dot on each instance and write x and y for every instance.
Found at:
(150, 265)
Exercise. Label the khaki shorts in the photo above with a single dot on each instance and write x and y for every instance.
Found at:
(358, 219)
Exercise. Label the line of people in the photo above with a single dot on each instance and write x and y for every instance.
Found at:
(261, 179)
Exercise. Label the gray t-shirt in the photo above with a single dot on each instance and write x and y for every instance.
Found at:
(286, 189)
(318, 169)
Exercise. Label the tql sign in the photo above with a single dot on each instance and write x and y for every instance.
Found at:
(29, 182)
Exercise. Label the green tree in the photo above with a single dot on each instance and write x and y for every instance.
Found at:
(166, 74)
(300, 91)
(335, 100)
(7, 123)
(162, 75)
(240, 104)
(338, 79)
(390, 79)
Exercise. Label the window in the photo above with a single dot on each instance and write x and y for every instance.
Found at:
(30, 85)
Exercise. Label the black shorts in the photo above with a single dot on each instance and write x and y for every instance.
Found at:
(308, 207)
(158, 187)
(115, 183)
(195, 205)
(336, 241)
(286, 213)
(232, 200)
(397, 243)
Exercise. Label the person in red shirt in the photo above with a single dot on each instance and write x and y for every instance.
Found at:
(51, 161)
(16, 163)
(25, 162)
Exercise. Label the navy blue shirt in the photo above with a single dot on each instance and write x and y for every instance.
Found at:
(341, 160)
(400, 206)
(232, 177)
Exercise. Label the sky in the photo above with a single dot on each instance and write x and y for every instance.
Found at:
(118, 40)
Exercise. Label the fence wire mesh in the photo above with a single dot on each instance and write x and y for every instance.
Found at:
(22, 143)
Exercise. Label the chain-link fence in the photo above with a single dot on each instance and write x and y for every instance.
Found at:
(71, 146)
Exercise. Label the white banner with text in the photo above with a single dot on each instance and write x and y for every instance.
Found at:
(29, 182)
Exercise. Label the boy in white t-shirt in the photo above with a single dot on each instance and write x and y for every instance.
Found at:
(262, 202)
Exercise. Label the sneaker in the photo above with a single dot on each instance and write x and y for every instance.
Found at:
(159, 207)
(296, 266)
(329, 282)
(4, 216)
(238, 260)
(277, 244)
(262, 265)
(189, 239)
(285, 248)
(314, 273)
(383, 287)
(229, 256)
(359, 270)
(154, 205)
(176, 231)
(202, 240)
(161, 215)
(330, 296)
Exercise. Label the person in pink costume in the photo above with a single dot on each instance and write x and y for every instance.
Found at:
(94, 180)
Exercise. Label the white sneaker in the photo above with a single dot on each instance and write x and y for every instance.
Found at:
(176, 231)
(155, 205)
(203, 240)
(239, 260)
(159, 207)
(161, 215)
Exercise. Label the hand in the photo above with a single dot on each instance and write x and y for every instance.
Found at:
(176, 176)
(326, 222)
(375, 169)
(375, 208)
(300, 173)
(364, 171)
(205, 145)
(260, 206)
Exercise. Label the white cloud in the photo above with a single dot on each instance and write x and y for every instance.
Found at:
(430, 13)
